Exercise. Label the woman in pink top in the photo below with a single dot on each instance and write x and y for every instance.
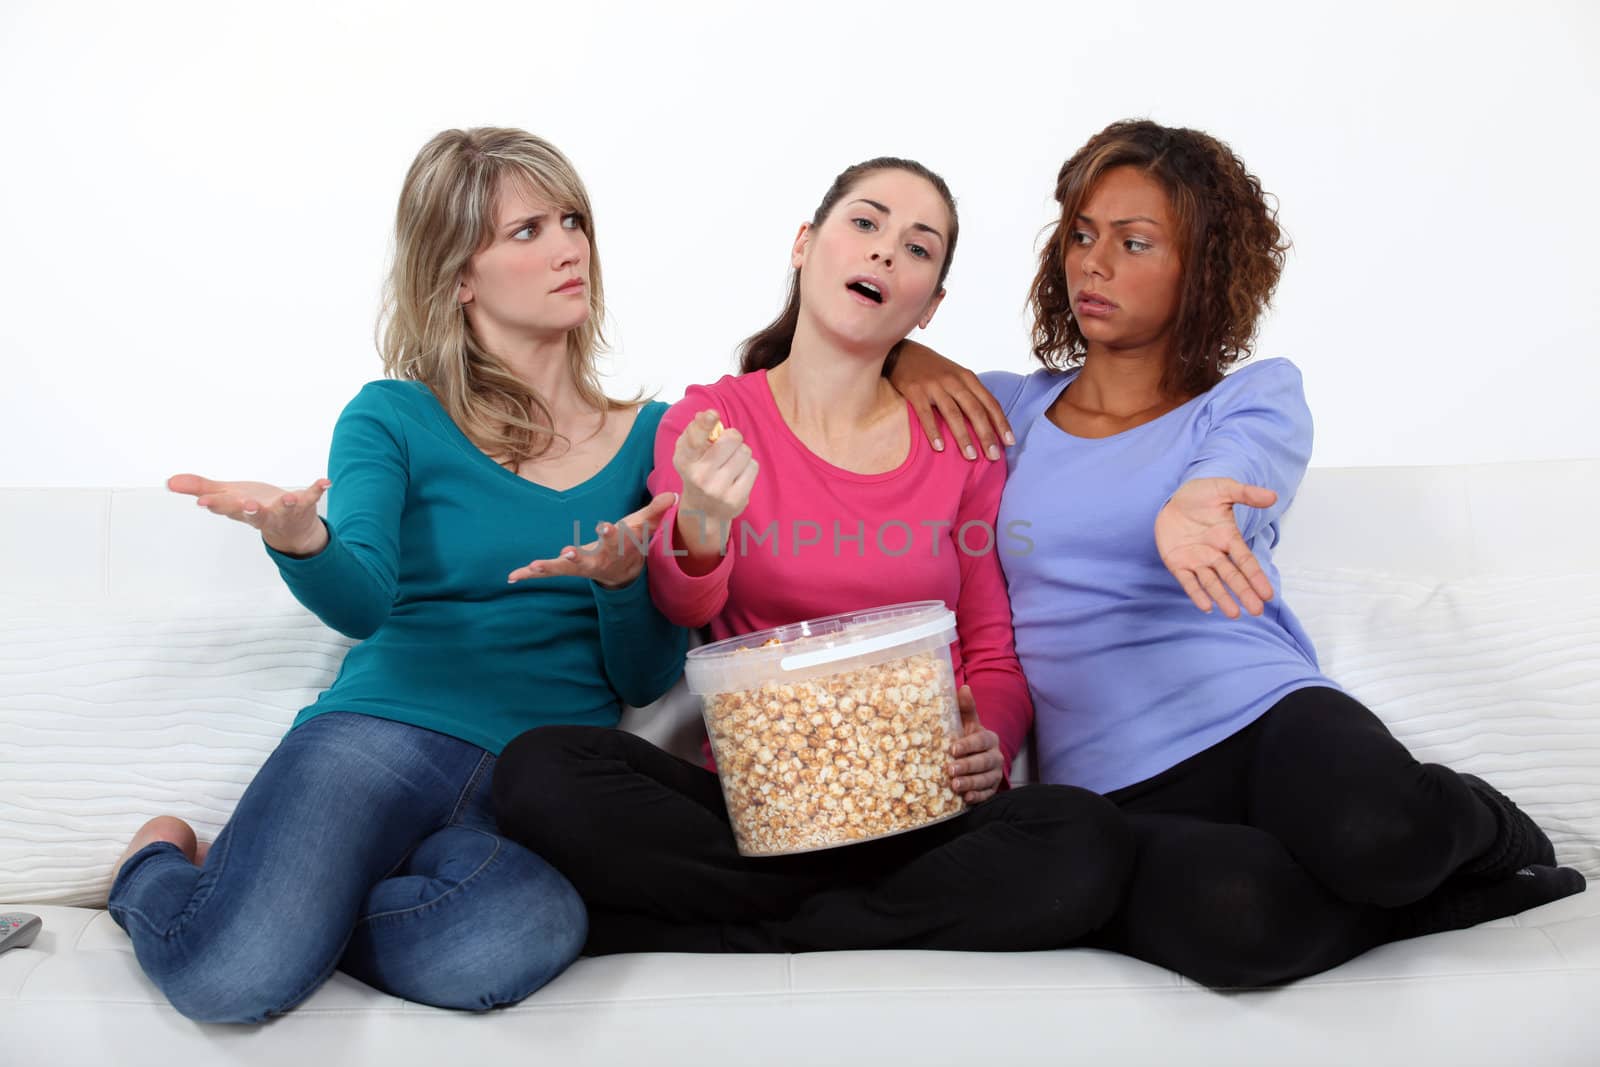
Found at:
(814, 497)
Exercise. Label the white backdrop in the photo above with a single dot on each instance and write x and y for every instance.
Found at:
(197, 196)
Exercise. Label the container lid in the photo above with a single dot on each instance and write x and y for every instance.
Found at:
(789, 650)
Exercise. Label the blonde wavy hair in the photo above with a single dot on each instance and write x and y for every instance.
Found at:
(446, 214)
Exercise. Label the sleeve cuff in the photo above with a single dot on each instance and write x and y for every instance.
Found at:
(623, 595)
(329, 558)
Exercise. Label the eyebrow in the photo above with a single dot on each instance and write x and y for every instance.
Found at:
(1123, 222)
(514, 225)
(923, 226)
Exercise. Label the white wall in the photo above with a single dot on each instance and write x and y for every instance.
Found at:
(195, 197)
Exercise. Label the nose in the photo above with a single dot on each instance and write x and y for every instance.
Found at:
(886, 258)
(1091, 264)
(570, 252)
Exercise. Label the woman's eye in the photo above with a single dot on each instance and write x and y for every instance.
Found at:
(1078, 237)
(1133, 244)
(918, 251)
(527, 233)
(864, 224)
(572, 220)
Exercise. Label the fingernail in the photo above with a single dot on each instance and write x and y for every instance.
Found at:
(994, 451)
(972, 453)
(1010, 437)
(569, 554)
(938, 445)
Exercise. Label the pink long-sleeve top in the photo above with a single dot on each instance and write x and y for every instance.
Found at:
(817, 540)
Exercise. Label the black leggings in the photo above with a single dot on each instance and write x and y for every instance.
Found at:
(645, 838)
(1291, 847)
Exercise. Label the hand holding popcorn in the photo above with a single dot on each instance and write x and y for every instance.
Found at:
(718, 472)
(977, 765)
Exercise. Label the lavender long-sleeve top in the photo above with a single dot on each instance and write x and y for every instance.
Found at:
(1128, 677)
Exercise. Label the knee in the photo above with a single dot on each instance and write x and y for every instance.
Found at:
(553, 928)
(242, 986)
(1087, 854)
(528, 925)
(1241, 933)
(1382, 854)
(538, 918)
(517, 965)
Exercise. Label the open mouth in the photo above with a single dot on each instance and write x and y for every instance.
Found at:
(866, 289)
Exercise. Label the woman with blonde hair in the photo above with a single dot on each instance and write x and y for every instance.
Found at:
(365, 842)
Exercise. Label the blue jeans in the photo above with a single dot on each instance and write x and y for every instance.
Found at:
(364, 845)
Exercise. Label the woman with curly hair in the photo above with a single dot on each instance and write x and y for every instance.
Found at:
(1281, 828)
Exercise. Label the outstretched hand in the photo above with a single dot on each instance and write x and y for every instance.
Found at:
(1201, 545)
(287, 518)
(614, 558)
(977, 765)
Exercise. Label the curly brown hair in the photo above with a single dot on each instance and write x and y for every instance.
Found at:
(1229, 244)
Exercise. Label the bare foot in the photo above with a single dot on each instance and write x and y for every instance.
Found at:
(161, 828)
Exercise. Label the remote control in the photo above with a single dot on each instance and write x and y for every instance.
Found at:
(18, 929)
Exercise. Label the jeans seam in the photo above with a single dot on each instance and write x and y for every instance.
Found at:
(461, 884)
(465, 796)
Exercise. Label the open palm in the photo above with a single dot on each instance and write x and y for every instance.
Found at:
(1200, 543)
(287, 518)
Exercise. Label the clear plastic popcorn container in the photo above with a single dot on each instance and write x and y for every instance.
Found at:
(833, 731)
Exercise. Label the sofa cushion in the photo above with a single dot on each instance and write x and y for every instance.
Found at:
(1516, 991)
(117, 712)
(125, 708)
(1499, 676)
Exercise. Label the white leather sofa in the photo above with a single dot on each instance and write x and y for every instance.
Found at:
(149, 660)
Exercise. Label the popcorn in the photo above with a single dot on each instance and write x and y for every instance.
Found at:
(716, 432)
(837, 759)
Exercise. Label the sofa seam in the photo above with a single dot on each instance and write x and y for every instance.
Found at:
(526, 1007)
(22, 986)
(1556, 945)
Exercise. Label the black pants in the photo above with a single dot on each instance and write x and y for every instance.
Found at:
(1291, 847)
(645, 838)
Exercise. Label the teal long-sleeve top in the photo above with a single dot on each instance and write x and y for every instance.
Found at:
(423, 528)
